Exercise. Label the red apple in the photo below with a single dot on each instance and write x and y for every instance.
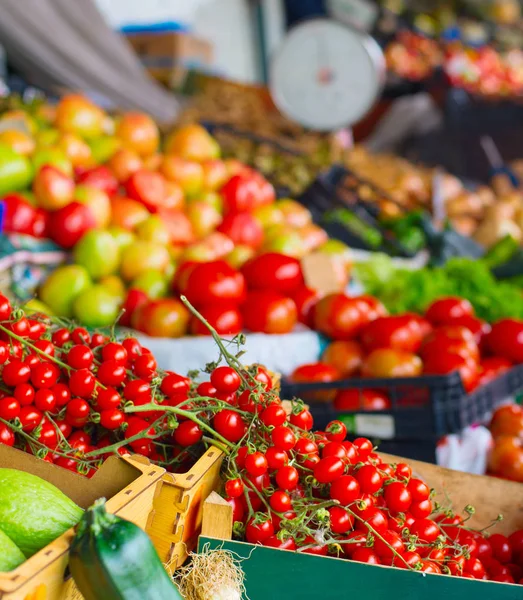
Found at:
(68, 224)
(188, 174)
(52, 188)
(100, 177)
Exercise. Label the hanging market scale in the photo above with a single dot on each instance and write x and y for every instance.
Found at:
(326, 75)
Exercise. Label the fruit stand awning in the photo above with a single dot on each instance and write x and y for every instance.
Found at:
(67, 44)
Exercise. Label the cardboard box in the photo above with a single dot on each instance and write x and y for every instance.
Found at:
(129, 484)
(297, 576)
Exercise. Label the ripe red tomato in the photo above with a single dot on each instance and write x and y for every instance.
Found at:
(345, 356)
(280, 501)
(501, 548)
(282, 544)
(506, 340)
(340, 520)
(283, 438)
(314, 372)
(229, 424)
(234, 488)
(273, 271)
(243, 229)
(339, 317)
(247, 191)
(305, 300)
(147, 187)
(366, 555)
(476, 326)
(385, 362)
(355, 399)
(287, 478)
(212, 282)
(101, 178)
(187, 434)
(445, 310)
(345, 489)
(276, 458)
(225, 319)
(265, 311)
(390, 546)
(426, 530)
(491, 368)
(398, 497)
(257, 531)
(112, 419)
(329, 469)
(450, 340)
(369, 479)
(68, 224)
(398, 332)
(419, 490)
(448, 363)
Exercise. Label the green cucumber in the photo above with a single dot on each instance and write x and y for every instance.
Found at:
(113, 559)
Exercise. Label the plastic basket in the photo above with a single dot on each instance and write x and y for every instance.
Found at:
(423, 409)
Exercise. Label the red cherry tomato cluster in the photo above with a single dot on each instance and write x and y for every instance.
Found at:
(368, 343)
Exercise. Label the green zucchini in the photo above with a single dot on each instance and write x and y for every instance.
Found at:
(113, 559)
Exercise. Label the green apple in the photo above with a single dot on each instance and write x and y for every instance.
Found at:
(142, 256)
(269, 215)
(153, 282)
(153, 229)
(16, 172)
(115, 285)
(98, 252)
(35, 306)
(103, 148)
(96, 307)
(288, 242)
(239, 256)
(53, 157)
(62, 287)
(123, 237)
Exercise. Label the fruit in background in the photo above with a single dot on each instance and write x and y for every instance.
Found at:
(62, 287)
(52, 157)
(211, 282)
(121, 236)
(316, 373)
(148, 188)
(47, 138)
(356, 399)
(506, 340)
(178, 225)
(114, 285)
(338, 250)
(52, 188)
(396, 332)
(68, 224)
(386, 362)
(272, 271)
(97, 201)
(204, 218)
(492, 367)
(96, 306)
(18, 141)
(77, 114)
(188, 174)
(153, 162)
(214, 247)
(339, 317)
(19, 215)
(313, 237)
(123, 163)
(294, 213)
(134, 300)
(153, 229)
(126, 213)
(239, 256)
(100, 177)
(192, 142)
(444, 310)
(174, 196)
(139, 133)
(246, 192)
(306, 300)
(76, 150)
(507, 420)
(41, 224)
(15, 171)
(103, 148)
(35, 306)
(21, 115)
(442, 364)
(453, 340)
(285, 241)
(163, 318)
(98, 252)
(152, 282)
(212, 199)
(215, 174)
(142, 256)
(267, 311)
(345, 356)
(226, 320)
(242, 228)
(269, 216)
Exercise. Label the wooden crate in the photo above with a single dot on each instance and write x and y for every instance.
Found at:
(302, 575)
(175, 522)
(130, 484)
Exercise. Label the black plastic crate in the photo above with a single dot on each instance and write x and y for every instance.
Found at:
(423, 409)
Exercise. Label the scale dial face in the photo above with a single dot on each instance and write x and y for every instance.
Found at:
(326, 75)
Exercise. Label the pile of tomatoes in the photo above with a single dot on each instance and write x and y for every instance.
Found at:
(368, 343)
(506, 456)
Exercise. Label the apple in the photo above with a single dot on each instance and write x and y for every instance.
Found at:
(166, 318)
(16, 171)
(188, 174)
(174, 196)
(147, 187)
(104, 148)
(134, 301)
(295, 214)
(215, 246)
(68, 224)
(153, 282)
(46, 138)
(62, 287)
(179, 227)
(286, 241)
(269, 215)
(53, 157)
(97, 201)
(203, 217)
(99, 177)
(141, 256)
(124, 163)
(96, 307)
(36, 307)
(127, 213)
(18, 141)
(115, 285)
(77, 114)
(313, 237)
(239, 256)
(98, 253)
(139, 133)
(153, 229)
(242, 228)
(123, 237)
(76, 150)
(52, 188)
(213, 199)
(215, 174)
(192, 142)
